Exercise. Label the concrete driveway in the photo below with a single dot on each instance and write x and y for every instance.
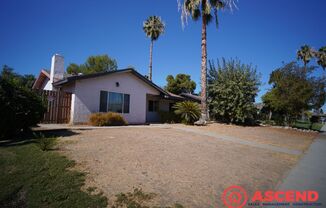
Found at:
(179, 165)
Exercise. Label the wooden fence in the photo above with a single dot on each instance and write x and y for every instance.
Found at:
(58, 106)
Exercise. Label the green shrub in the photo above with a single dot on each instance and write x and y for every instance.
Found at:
(45, 143)
(20, 108)
(232, 88)
(302, 125)
(316, 126)
(107, 119)
(188, 111)
(307, 125)
(169, 117)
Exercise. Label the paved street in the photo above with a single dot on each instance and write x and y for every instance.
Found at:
(310, 173)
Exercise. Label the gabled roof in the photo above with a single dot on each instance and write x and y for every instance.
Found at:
(166, 94)
(40, 79)
(70, 79)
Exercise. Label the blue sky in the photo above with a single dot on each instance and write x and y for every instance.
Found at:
(264, 33)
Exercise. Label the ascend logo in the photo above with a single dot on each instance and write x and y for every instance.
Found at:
(237, 197)
(285, 196)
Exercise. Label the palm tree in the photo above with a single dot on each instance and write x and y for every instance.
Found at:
(206, 9)
(189, 111)
(321, 55)
(153, 27)
(305, 54)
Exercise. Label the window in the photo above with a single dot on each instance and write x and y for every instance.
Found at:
(103, 101)
(153, 106)
(114, 102)
(126, 102)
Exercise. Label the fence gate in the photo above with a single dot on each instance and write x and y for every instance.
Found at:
(58, 106)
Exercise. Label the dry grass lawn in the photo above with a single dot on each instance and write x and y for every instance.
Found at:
(181, 166)
(280, 137)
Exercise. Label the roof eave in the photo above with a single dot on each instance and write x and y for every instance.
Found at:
(133, 71)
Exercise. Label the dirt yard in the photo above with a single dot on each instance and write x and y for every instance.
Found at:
(280, 137)
(180, 166)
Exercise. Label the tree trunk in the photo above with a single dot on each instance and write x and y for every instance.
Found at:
(150, 61)
(270, 115)
(203, 78)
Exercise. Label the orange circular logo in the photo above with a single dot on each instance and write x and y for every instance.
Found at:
(234, 197)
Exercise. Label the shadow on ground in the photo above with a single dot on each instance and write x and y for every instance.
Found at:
(29, 137)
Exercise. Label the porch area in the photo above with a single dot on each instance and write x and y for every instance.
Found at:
(156, 104)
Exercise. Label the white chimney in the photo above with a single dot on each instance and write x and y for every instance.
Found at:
(57, 68)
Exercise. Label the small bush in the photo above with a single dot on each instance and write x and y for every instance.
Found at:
(307, 125)
(97, 119)
(188, 111)
(46, 143)
(316, 126)
(107, 119)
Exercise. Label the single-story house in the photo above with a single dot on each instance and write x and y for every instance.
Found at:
(125, 91)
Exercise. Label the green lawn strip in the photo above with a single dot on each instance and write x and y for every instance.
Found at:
(302, 125)
(35, 178)
(307, 125)
(317, 126)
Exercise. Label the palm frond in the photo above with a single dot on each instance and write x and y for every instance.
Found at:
(305, 54)
(321, 55)
(196, 8)
(153, 27)
(188, 111)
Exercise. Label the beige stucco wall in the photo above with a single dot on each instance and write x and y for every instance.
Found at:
(86, 96)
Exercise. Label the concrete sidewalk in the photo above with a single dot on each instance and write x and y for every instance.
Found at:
(323, 128)
(310, 172)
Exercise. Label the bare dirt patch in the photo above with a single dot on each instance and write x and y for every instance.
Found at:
(288, 138)
(178, 166)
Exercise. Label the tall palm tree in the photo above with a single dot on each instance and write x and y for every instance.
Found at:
(153, 27)
(321, 55)
(206, 9)
(305, 54)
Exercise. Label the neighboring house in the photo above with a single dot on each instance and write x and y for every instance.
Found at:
(125, 91)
